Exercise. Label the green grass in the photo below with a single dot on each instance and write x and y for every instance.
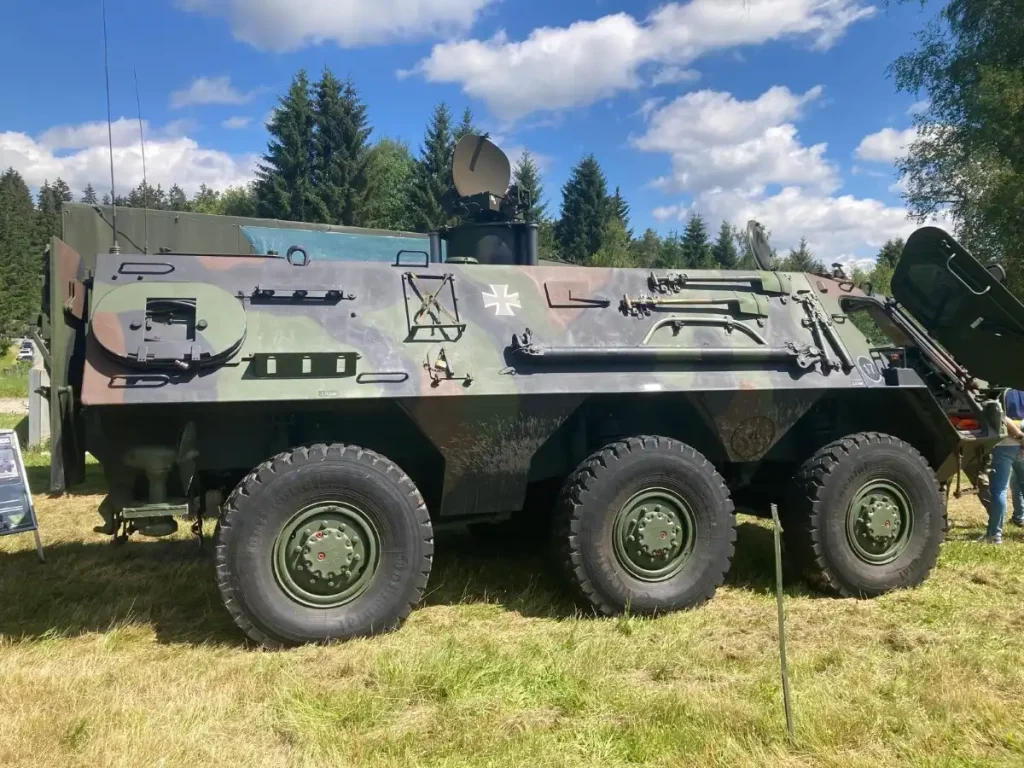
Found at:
(125, 657)
(14, 380)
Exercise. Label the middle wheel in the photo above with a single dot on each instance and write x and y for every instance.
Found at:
(646, 523)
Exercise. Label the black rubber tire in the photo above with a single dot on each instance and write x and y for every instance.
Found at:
(814, 523)
(261, 504)
(593, 495)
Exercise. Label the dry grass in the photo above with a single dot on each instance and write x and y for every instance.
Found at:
(125, 657)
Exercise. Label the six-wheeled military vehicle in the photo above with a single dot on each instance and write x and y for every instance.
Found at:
(333, 415)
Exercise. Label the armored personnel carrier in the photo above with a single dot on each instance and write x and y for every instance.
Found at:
(333, 415)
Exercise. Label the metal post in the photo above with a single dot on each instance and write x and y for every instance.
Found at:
(782, 623)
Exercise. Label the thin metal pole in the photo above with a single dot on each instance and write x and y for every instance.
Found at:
(782, 623)
(110, 130)
(145, 182)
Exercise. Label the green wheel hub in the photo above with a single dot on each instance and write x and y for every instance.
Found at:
(326, 555)
(879, 522)
(654, 534)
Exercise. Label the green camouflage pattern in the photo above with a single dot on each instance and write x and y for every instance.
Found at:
(480, 380)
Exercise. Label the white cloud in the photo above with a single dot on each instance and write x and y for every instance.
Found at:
(515, 154)
(211, 90)
(716, 140)
(673, 75)
(838, 228)
(170, 159)
(741, 160)
(287, 25)
(886, 145)
(918, 107)
(236, 123)
(556, 68)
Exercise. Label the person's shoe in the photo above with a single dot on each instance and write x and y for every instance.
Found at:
(1019, 523)
(986, 539)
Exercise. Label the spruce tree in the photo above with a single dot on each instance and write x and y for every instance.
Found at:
(890, 253)
(89, 195)
(724, 249)
(284, 179)
(621, 209)
(466, 126)
(177, 200)
(581, 229)
(432, 177)
(800, 259)
(48, 213)
(526, 176)
(341, 151)
(696, 246)
(20, 261)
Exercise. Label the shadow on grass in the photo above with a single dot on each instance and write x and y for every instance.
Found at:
(169, 585)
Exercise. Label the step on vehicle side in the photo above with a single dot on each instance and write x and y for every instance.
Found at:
(333, 416)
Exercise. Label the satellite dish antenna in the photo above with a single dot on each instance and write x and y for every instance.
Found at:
(479, 167)
(757, 241)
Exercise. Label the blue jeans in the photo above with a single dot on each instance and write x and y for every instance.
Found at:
(1005, 459)
(1017, 489)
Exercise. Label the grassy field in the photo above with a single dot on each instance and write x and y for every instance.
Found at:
(13, 375)
(125, 657)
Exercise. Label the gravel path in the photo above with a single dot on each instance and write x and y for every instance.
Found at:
(13, 405)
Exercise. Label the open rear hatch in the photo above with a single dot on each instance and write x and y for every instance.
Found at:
(963, 305)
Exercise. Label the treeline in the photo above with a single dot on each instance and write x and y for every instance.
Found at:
(26, 226)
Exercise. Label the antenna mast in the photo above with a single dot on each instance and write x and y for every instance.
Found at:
(110, 131)
(145, 184)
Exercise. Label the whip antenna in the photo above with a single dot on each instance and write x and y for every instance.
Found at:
(145, 184)
(110, 131)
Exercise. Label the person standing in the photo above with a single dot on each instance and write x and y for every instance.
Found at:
(1015, 411)
(1005, 456)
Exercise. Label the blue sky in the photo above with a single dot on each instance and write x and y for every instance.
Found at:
(778, 109)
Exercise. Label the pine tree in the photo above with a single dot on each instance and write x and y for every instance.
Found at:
(696, 246)
(106, 198)
(801, 259)
(526, 176)
(284, 179)
(89, 195)
(177, 200)
(581, 229)
(621, 209)
(341, 151)
(20, 261)
(724, 249)
(432, 177)
(389, 171)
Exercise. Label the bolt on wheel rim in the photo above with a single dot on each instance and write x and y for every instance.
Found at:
(879, 522)
(326, 555)
(654, 533)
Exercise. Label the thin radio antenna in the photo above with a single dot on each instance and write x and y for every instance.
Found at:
(145, 184)
(110, 131)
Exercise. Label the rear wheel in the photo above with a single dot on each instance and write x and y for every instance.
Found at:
(323, 543)
(865, 516)
(645, 524)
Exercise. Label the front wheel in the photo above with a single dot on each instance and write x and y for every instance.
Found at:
(323, 543)
(645, 525)
(865, 516)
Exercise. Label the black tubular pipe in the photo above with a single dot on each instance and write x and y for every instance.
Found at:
(656, 354)
(530, 254)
